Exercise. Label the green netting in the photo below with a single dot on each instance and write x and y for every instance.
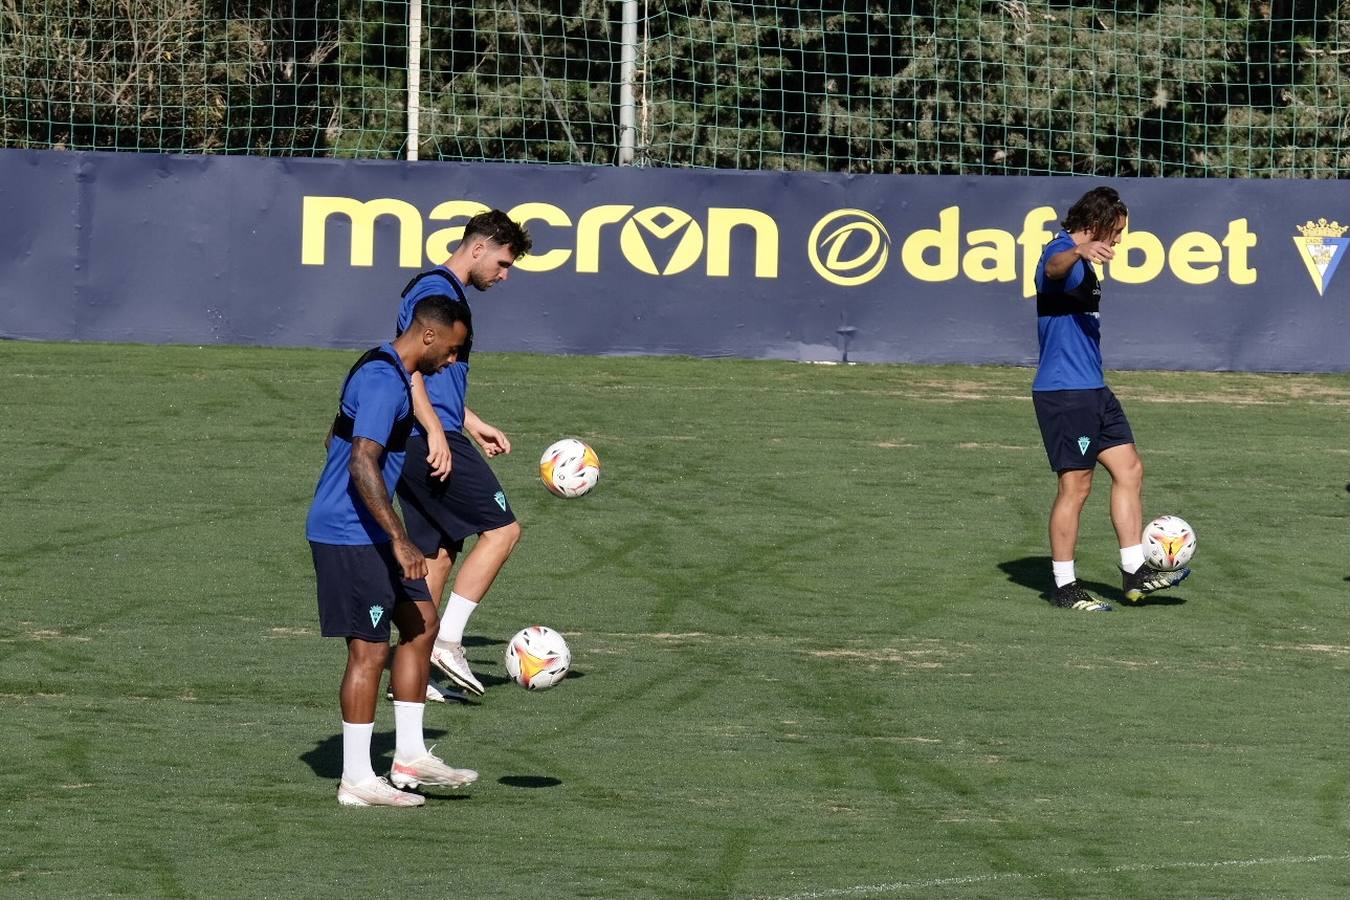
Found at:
(160, 75)
(1201, 88)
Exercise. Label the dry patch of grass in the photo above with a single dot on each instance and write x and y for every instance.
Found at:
(56, 634)
(1335, 649)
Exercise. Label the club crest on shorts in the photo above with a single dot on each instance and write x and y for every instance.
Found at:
(1083, 443)
(376, 614)
(501, 500)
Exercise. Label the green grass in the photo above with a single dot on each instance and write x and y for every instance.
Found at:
(812, 654)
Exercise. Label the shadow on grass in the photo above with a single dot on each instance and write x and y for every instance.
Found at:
(486, 681)
(1153, 600)
(1033, 572)
(478, 641)
(325, 759)
(529, 781)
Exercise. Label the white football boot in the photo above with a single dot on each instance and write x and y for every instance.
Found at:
(376, 791)
(449, 658)
(429, 769)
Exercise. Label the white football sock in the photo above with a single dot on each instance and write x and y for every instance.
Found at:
(409, 744)
(457, 611)
(1131, 558)
(1063, 572)
(356, 752)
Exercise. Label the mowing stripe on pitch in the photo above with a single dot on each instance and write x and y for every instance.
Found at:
(863, 890)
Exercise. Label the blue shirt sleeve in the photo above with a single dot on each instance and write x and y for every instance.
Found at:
(1069, 281)
(432, 284)
(376, 398)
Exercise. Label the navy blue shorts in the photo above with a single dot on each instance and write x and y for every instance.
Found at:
(1078, 425)
(358, 587)
(443, 513)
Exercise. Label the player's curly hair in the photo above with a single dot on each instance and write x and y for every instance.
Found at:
(1096, 212)
(439, 309)
(497, 227)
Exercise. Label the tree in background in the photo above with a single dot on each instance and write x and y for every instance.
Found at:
(1208, 88)
(207, 76)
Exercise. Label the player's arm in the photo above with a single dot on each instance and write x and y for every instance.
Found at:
(366, 477)
(438, 449)
(1058, 266)
(489, 437)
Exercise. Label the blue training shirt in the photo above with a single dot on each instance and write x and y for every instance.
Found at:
(1068, 325)
(448, 388)
(376, 397)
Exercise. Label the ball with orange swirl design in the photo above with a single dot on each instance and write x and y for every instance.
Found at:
(569, 468)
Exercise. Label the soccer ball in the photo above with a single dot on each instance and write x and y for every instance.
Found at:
(1169, 543)
(569, 467)
(537, 657)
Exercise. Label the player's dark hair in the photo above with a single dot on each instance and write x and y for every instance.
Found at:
(1096, 212)
(497, 227)
(438, 309)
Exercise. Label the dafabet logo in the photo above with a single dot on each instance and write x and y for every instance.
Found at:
(867, 241)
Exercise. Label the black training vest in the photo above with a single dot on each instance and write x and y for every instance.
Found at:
(398, 435)
(1086, 297)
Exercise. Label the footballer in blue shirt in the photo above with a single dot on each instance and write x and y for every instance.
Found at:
(368, 572)
(448, 492)
(1081, 421)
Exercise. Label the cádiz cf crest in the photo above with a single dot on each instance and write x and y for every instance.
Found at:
(1322, 247)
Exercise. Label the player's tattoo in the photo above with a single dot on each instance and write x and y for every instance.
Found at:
(369, 483)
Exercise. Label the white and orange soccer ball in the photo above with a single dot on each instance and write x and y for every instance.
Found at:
(537, 657)
(1169, 543)
(569, 467)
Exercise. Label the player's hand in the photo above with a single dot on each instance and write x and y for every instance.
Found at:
(1096, 251)
(412, 561)
(490, 438)
(438, 455)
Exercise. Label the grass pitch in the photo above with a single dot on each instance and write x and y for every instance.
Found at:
(812, 652)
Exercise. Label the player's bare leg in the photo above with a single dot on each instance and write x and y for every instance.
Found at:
(433, 692)
(361, 681)
(414, 764)
(360, 786)
(447, 653)
(1127, 516)
(417, 623)
(481, 566)
(476, 574)
(1074, 487)
(1065, 512)
(438, 573)
(1127, 491)
(485, 560)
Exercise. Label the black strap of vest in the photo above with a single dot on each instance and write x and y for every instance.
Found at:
(444, 273)
(450, 279)
(398, 435)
